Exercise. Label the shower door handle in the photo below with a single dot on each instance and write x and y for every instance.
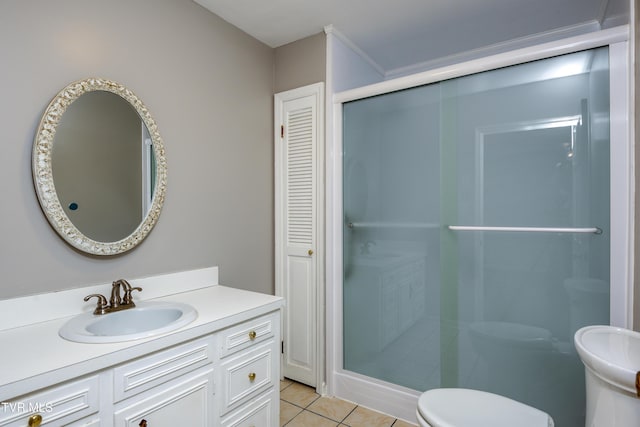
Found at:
(587, 230)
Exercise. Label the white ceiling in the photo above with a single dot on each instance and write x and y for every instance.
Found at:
(399, 33)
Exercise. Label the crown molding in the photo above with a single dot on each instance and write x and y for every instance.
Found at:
(497, 48)
(331, 30)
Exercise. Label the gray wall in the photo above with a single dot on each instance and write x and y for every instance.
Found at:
(300, 63)
(209, 87)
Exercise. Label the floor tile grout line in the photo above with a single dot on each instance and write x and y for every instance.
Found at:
(337, 421)
(318, 396)
(340, 423)
(286, 386)
(295, 404)
(350, 412)
(306, 408)
(320, 415)
(294, 417)
(315, 413)
(323, 416)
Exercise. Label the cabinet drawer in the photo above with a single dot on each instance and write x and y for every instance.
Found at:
(150, 371)
(187, 401)
(248, 374)
(245, 335)
(59, 405)
(262, 412)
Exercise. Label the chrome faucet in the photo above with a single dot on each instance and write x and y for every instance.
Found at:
(116, 302)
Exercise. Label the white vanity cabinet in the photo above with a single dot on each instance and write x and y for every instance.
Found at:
(250, 372)
(167, 388)
(221, 370)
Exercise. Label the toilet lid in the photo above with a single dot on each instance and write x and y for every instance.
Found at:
(455, 407)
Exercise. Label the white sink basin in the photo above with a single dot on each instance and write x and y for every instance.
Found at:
(145, 320)
(612, 354)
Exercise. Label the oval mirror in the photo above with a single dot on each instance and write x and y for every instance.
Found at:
(99, 167)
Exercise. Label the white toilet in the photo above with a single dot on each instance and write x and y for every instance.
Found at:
(611, 358)
(457, 407)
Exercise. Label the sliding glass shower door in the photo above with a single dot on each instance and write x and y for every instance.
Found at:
(476, 231)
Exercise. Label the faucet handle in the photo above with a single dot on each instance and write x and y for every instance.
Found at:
(125, 285)
(127, 299)
(101, 306)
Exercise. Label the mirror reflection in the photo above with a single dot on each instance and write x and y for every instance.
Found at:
(98, 163)
(99, 167)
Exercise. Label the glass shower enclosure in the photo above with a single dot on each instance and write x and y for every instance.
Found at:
(476, 231)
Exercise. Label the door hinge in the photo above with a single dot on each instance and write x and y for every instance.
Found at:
(282, 131)
(282, 347)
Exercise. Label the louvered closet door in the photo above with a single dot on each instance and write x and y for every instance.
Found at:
(297, 231)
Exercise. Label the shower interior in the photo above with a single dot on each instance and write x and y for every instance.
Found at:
(429, 299)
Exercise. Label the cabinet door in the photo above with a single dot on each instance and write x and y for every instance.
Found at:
(263, 411)
(184, 402)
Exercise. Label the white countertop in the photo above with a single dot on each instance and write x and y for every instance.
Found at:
(35, 355)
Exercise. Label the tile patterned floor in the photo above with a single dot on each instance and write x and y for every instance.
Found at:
(301, 406)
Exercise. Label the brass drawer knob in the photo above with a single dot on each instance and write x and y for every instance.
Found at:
(35, 420)
(252, 376)
(252, 335)
(310, 252)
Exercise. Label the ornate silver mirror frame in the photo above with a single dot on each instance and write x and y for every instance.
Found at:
(43, 175)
